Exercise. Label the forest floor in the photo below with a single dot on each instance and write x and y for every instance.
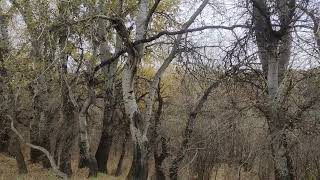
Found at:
(8, 171)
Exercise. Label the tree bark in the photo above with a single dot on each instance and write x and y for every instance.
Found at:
(69, 130)
(159, 158)
(159, 142)
(274, 52)
(138, 126)
(123, 153)
(102, 154)
(16, 151)
(15, 146)
(4, 50)
(88, 158)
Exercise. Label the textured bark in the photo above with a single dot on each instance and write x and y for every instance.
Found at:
(105, 143)
(15, 145)
(159, 157)
(16, 151)
(102, 154)
(88, 158)
(68, 105)
(138, 127)
(4, 49)
(123, 153)
(139, 167)
(68, 127)
(274, 52)
(160, 150)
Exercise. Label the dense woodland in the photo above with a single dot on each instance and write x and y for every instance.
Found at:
(161, 89)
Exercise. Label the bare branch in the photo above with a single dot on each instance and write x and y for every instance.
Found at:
(43, 150)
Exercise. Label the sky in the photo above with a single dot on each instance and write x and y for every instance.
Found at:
(218, 12)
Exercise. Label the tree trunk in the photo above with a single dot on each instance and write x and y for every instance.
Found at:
(123, 153)
(274, 54)
(68, 127)
(140, 165)
(159, 142)
(283, 162)
(138, 125)
(103, 151)
(15, 145)
(283, 165)
(159, 158)
(88, 158)
(16, 151)
(4, 50)
(102, 154)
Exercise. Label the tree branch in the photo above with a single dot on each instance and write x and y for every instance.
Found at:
(43, 150)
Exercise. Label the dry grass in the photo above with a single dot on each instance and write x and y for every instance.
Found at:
(8, 171)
